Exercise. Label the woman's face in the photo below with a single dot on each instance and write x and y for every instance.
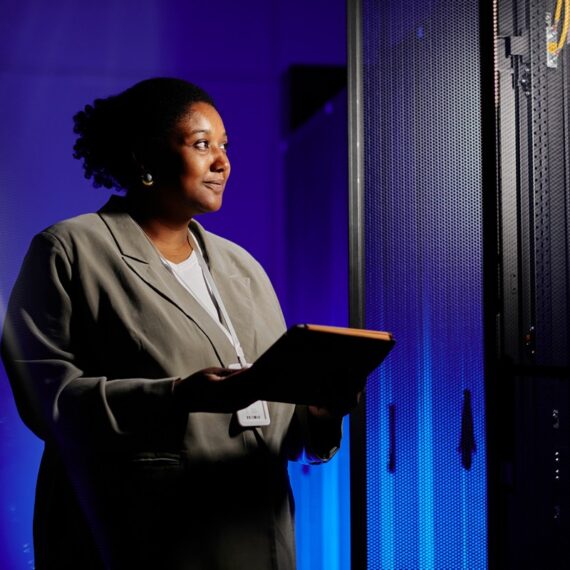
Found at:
(196, 166)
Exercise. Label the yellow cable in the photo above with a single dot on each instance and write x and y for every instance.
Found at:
(558, 11)
(566, 23)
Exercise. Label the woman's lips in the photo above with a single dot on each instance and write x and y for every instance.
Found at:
(215, 185)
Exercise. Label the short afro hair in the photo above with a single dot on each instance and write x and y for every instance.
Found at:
(114, 131)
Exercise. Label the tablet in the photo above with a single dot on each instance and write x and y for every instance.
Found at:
(318, 364)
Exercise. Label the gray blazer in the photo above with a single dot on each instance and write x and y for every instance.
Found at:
(96, 331)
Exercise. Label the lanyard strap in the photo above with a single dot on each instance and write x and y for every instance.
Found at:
(218, 298)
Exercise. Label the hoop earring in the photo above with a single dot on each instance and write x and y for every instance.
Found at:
(147, 179)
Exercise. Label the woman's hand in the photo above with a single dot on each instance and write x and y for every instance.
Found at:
(219, 390)
(341, 401)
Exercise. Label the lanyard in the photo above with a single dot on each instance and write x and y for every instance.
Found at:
(218, 298)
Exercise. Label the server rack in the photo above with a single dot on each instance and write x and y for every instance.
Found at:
(502, 68)
(533, 356)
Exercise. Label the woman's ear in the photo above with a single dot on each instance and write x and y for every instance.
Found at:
(144, 174)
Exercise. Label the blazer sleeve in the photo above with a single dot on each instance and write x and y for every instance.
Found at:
(54, 397)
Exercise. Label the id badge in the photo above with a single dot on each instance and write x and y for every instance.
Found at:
(256, 414)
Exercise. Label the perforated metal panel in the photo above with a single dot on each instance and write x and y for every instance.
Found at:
(548, 193)
(423, 278)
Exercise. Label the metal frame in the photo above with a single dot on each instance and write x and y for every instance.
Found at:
(497, 418)
(356, 275)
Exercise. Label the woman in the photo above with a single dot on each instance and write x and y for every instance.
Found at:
(121, 341)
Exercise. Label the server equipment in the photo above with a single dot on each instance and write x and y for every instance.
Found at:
(460, 218)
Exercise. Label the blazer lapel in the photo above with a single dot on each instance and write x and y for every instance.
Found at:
(142, 257)
(234, 288)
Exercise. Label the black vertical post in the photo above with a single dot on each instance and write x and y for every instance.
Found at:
(356, 277)
(488, 14)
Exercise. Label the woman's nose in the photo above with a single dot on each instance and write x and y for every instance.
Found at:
(220, 162)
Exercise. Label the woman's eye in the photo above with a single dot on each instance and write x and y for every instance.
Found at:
(205, 145)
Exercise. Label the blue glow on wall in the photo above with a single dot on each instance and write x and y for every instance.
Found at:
(426, 476)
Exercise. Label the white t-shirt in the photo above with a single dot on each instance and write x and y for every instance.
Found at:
(191, 277)
(189, 274)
